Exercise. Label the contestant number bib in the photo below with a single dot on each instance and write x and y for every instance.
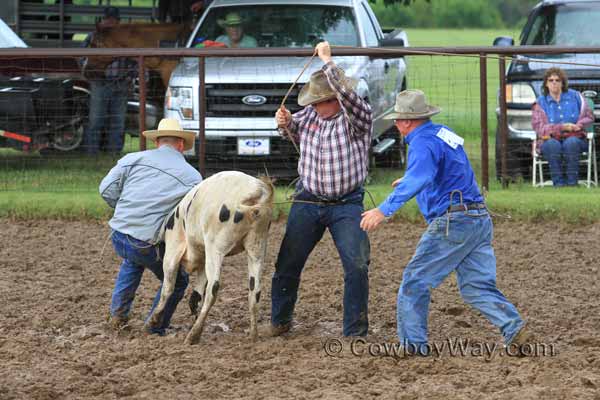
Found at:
(450, 138)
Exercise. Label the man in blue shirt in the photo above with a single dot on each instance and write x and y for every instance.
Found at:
(459, 235)
(143, 188)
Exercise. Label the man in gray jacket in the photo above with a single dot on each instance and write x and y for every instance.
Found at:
(143, 188)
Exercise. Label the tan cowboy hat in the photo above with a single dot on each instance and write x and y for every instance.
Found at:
(411, 104)
(171, 127)
(231, 19)
(317, 89)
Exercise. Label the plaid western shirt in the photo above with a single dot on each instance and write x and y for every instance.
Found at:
(334, 152)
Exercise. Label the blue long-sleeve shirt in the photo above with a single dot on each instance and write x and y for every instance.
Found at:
(437, 165)
(144, 187)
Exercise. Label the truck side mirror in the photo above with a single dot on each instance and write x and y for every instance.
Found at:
(385, 42)
(504, 41)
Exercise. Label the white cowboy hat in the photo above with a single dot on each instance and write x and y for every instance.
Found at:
(411, 104)
(171, 127)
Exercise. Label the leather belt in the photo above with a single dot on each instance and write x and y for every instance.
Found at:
(466, 207)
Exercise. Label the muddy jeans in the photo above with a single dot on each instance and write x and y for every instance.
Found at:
(137, 256)
(467, 249)
(305, 227)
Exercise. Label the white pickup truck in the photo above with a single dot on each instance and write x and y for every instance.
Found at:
(242, 94)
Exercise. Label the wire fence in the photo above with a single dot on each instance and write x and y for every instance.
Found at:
(66, 115)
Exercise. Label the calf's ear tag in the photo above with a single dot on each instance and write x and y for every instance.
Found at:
(450, 138)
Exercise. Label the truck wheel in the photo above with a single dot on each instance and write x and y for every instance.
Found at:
(70, 137)
(395, 156)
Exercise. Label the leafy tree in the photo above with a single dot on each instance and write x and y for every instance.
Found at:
(452, 13)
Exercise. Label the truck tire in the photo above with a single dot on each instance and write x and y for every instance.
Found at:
(70, 137)
(395, 156)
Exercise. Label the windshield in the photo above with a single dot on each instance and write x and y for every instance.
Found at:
(277, 26)
(566, 25)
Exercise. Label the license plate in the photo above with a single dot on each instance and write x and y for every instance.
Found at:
(249, 146)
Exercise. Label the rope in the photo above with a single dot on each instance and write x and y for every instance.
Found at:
(298, 77)
(282, 105)
(496, 215)
(371, 197)
(290, 198)
(104, 247)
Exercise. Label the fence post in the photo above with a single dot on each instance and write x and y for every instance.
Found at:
(18, 18)
(61, 17)
(142, 88)
(503, 122)
(202, 114)
(483, 95)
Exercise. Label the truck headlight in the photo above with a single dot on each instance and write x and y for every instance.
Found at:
(520, 93)
(179, 98)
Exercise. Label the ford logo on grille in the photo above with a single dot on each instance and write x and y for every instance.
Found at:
(254, 100)
(253, 143)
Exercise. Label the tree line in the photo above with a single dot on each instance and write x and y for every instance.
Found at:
(452, 13)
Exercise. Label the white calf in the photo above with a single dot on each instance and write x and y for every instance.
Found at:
(223, 215)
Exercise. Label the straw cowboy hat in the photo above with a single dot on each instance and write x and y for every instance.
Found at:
(317, 89)
(171, 127)
(411, 104)
(231, 19)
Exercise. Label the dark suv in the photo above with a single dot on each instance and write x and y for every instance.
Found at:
(562, 23)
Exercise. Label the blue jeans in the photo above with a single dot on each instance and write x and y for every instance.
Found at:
(108, 107)
(305, 227)
(568, 150)
(137, 256)
(467, 249)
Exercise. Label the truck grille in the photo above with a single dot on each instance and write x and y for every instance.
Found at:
(222, 155)
(226, 100)
(581, 87)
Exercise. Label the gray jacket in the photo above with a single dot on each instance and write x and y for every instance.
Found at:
(144, 187)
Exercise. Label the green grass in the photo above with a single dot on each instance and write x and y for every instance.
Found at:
(521, 202)
(452, 82)
(33, 186)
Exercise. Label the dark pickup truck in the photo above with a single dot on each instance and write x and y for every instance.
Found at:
(44, 101)
(563, 23)
(41, 112)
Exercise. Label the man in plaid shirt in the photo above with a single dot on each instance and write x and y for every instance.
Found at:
(334, 134)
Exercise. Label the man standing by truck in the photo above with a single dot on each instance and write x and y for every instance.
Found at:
(109, 86)
(334, 134)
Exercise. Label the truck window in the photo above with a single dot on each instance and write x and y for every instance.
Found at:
(283, 25)
(566, 25)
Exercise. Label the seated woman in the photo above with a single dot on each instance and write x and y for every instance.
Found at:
(234, 32)
(559, 119)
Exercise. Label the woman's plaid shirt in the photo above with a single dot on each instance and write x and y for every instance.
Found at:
(334, 152)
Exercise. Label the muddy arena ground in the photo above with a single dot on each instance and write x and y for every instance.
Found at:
(55, 290)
